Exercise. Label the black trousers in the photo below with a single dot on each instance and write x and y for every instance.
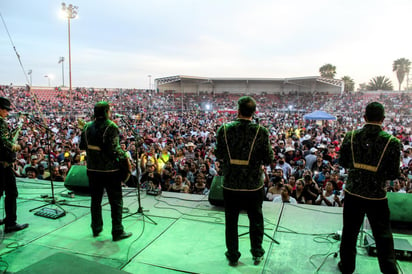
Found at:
(111, 181)
(377, 212)
(251, 201)
(8, 186)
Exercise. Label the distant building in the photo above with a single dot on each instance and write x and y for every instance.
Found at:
(204, 85)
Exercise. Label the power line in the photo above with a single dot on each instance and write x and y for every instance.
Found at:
(15, 50)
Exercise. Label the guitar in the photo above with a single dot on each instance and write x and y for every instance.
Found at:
(10, 155)
(80, 123)
(125, 169)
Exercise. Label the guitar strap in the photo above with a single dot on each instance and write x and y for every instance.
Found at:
(93, 147)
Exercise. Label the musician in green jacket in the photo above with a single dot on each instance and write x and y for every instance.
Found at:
(243, 148)
(7, 177)
(372, 157)
(100, 139)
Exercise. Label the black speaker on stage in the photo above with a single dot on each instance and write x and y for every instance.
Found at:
(216, 191)
(400, 205)
(77, 179)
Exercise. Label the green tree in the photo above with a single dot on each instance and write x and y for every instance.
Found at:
(327, 71)
(380, 83)
(402, 67)
(349, 83)
(363, 87)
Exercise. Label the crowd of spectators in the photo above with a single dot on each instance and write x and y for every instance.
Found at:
(172, 140)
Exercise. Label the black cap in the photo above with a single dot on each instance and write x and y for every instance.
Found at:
(5, 103)
(101, 110)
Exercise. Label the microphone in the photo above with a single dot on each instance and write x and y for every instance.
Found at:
(119, 115)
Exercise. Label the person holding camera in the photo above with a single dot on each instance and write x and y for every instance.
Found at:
(243, 147)
(151, 179)
(329, 196)
(310, 188)
(299, 169)
(372, 157)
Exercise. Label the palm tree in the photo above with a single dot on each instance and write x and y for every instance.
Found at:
(363, 87)
(402, 67)
(349, 83)
(380, 83)
(327, 71)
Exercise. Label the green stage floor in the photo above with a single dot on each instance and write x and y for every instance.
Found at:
(179, 233)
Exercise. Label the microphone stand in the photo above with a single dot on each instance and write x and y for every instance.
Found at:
(280, 216)
(53, 200)
(277, 225)
(140, 210)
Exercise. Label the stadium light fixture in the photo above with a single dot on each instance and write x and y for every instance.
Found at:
(70, 12)
(61, 61)
(150, 81)
(49, 77)
(30, 72)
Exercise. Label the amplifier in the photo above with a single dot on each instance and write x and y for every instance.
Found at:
(403, 249)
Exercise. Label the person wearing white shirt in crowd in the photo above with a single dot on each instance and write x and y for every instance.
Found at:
(406, 157)
(311, 158)
(397, 187)
(204, 133)
(402, 185)
(285, 197)
(287, 169)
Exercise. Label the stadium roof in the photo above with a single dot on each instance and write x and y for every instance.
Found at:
(177, 78)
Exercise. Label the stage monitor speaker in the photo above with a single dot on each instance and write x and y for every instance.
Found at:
(216, 191)
(77, 179)
(65, 263)
(400, 205)
(402, 248)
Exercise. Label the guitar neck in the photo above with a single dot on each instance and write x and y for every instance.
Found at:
(16, 134)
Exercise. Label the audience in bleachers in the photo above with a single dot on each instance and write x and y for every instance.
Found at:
(174, 140)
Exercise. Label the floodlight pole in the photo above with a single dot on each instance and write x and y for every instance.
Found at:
(71, 13)
(70, 66)
(61, 60)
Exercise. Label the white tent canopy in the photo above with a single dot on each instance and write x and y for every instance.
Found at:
(319, 115)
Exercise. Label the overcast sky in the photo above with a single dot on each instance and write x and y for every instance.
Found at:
(119, 43)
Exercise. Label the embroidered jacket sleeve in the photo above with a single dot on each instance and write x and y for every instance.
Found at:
(5, 139)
